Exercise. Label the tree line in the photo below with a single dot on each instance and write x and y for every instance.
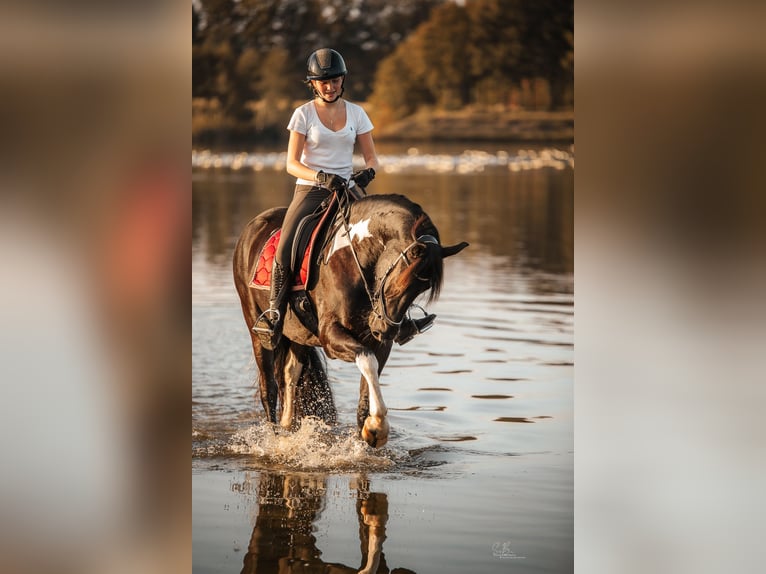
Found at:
(249, 56)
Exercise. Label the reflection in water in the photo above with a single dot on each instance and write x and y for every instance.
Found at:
(289, 506)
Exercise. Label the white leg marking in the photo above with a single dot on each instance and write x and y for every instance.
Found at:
(293, 369)
(374, 549)
(368, 366)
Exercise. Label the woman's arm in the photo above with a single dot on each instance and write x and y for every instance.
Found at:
(367, 145)
(294, 151)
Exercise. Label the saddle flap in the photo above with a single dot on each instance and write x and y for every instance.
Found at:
(311, 232)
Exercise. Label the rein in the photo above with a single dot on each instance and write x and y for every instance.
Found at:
(378, 296)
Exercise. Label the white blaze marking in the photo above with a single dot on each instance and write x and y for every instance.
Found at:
(358, 231)
(368, 366)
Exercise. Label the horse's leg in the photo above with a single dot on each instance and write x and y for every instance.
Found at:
(363, 409)
(339, 344)
(292, 374)
(269, 390)
(373, 424)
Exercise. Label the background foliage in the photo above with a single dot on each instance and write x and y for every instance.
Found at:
(403, 55)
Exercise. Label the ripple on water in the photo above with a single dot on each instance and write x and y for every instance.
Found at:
(409, 366)
(454, 438)
(520, 419)
(438, 408)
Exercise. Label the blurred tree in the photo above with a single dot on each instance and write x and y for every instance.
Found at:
(398, 91)
(431, 67)
(196, 32)
(273, 83)
(367, 31)
(495, 48)
(401, 54)
(441, 57)
(249, 71)
(217, 57)
(235, 37)
(203, 62)
(483, 50)
(548, 42)
(284, 26)
(272, 112)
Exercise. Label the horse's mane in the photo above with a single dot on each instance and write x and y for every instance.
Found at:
(431, 260)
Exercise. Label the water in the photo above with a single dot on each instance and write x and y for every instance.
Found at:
(478, 473)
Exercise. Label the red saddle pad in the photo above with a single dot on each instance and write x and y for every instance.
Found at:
(262, 275)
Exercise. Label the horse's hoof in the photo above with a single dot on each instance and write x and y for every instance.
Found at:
(375, 431)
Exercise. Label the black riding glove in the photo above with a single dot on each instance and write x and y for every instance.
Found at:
(330, 181)
(363, 177)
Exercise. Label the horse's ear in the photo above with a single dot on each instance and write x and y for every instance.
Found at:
(453, 249)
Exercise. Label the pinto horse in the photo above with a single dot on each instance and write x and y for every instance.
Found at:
(383, 255)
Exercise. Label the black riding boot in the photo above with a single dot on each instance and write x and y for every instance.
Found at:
(269, 324)
(412, 327)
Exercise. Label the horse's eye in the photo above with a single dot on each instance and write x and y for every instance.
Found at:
(417, 251)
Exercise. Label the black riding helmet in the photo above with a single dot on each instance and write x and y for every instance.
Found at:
(326, 64)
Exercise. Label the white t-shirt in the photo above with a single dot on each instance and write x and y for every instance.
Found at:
(326, 150)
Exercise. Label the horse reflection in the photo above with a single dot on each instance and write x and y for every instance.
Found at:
(283, 541)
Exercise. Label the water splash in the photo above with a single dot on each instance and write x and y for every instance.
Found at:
(314, 446)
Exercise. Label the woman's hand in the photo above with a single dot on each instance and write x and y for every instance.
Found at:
(330, 181)
(363, 177)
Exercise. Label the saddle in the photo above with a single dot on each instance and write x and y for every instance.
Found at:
(309, 239)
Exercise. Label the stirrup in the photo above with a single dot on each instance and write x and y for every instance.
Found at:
(426, 324)
(418, 325)
(265, 327)
(264, 324)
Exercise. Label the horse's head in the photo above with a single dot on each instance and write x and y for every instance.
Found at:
(409, 264)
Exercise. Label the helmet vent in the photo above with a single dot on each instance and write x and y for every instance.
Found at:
(324, 57)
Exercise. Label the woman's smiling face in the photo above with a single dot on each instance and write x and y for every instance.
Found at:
(328, 89)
